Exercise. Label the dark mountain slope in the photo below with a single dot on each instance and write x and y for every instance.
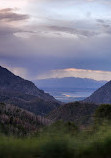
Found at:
(11, 82)
(102, 95)
(25, 94)
(14, 120)
(79, 113)
(29, 102)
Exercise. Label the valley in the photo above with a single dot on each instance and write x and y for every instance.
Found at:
(35, 124)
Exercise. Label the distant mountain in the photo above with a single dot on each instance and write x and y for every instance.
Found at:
(102, 95)
(23, 93)
(79, 113)
(69, 82)
(16, 121)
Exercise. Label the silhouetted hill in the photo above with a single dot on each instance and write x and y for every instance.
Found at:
(16, 121)
(11, 82)
(102, 95)
(79, 113)
(23, 93)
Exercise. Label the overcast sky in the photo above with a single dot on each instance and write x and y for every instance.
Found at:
(56, 38)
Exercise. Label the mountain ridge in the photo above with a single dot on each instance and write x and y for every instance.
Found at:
(69, 82)
(10, 81)
(101, 95)
(24, 93)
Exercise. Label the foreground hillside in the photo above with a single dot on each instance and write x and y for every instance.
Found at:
(16, 121)
(79, 113)
(60, 139)
(58, 144)
(101, 96)
(23, 93)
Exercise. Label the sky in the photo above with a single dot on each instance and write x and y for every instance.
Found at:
(56, 38)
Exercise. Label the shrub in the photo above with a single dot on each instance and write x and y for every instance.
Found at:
(103, 113)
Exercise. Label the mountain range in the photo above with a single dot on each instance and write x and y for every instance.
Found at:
(69, 82)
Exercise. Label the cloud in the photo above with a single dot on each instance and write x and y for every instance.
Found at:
(4, 30)
(8, 27)
(81, 73)
(72, 30)
(9, 15)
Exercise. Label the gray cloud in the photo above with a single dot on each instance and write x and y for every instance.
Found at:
(73, 31)
(6, 30)
(106, 25)
(100, 21)
(9, 15)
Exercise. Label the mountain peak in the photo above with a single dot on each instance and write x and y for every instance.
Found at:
(24, 93)
(10, 82)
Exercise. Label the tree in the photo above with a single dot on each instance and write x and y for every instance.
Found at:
(103, 113)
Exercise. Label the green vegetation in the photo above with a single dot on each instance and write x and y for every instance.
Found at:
(58, 143)
(103, 112)
(62, 140)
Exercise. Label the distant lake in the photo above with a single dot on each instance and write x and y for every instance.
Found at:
(69, 94)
